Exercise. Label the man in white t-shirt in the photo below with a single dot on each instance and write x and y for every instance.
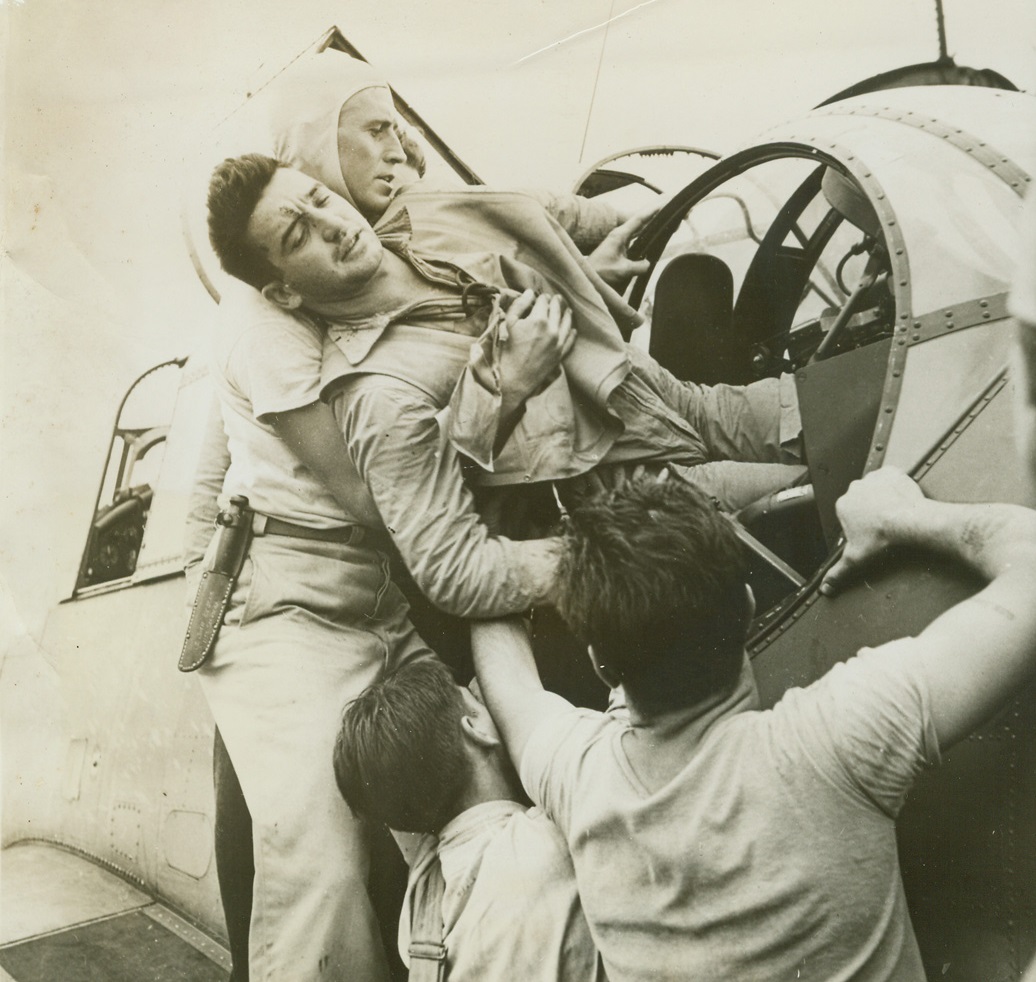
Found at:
(314, 618)
(712, 840)
(491, 884)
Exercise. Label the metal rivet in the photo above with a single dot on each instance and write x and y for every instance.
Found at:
(899, 252)
(917, 337)
(983, 303)
(879, 446)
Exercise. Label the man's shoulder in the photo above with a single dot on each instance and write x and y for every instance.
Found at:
(582, 723)
(527, 839)
(866, 712)
(570, 736)
(243, 310)
(892, 660)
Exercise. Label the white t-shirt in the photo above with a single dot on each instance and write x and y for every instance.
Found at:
(266, 361)
(510, 908)
(772, 854)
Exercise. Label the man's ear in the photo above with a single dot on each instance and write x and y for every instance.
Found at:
(474, 730)
(602, 671)
(282, 295)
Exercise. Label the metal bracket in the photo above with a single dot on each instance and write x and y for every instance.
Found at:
(945, 321)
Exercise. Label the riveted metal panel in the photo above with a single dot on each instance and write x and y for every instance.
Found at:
(987, 155)
(942, 379)
(958, 317)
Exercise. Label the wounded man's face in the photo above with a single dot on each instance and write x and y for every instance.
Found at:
(321, 245)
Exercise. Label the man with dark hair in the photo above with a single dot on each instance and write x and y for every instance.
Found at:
(714, 841)
(635, 587)
(314, 617)
(400, 756)
(420, 754)
(401, 322)
(233, 194)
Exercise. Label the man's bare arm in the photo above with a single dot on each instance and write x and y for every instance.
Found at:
(202, 508)
(977, 653)
(312, 434)
(510, 682)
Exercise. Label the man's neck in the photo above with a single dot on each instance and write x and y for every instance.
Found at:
(489, 782)
(658, 745)
(391, 286)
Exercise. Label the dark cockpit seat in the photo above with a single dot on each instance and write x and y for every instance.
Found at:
(691, 317)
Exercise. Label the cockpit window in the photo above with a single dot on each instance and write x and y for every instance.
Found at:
(782, 270)
(131, 472)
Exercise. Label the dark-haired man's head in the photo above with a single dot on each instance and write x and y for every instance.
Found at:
(235, 188)
(287, 235)
(415, 749)
(653, 579)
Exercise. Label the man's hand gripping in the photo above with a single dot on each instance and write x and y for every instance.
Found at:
(610, 259)
(535, 337)
(871, 512)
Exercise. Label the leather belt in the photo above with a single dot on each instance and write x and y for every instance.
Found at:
(350, 535)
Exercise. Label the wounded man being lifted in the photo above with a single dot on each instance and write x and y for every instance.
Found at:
(412, 316)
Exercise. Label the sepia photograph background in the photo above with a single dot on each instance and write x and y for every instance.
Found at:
(106, 102)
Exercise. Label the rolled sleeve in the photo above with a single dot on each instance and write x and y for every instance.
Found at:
(586, 220)
(415, 477)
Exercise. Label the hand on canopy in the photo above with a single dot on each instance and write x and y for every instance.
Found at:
(610, 259)
(874, 513)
